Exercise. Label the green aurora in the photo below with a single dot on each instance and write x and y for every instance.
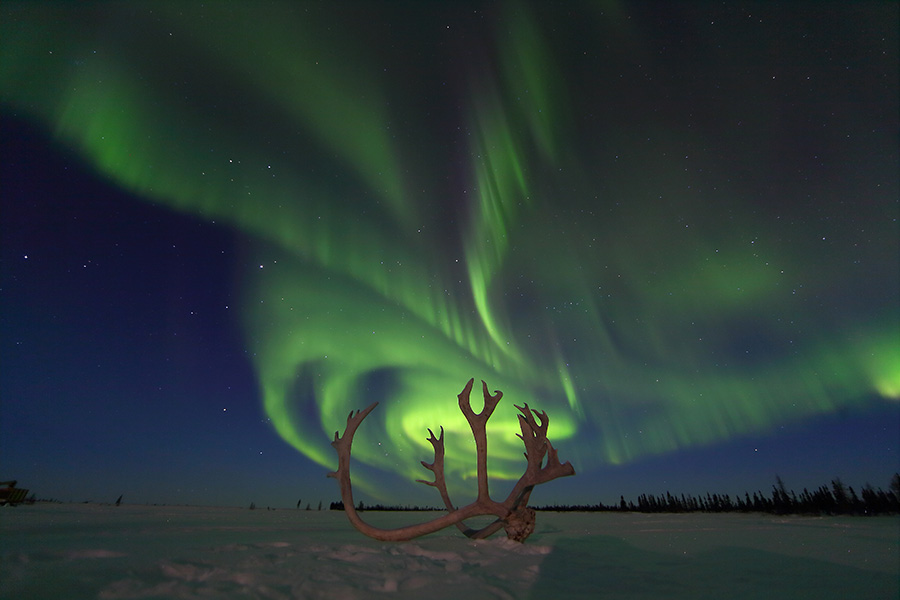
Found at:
(440, 207)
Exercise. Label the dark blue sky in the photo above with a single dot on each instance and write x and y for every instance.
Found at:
(122, 365)
(676, 231)
(124, 371)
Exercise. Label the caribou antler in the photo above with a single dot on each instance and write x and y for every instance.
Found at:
(512, 514)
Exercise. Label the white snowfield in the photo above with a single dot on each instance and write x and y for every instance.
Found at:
(100, 551)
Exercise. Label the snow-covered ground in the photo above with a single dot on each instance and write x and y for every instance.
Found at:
(98, 551)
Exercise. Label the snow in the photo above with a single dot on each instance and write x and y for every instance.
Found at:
(101, 551)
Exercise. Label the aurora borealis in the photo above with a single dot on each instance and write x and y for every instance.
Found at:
(669, 227)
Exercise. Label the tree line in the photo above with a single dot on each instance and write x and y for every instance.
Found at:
(836, 499)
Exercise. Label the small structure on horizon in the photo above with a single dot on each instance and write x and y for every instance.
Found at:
(10, 494)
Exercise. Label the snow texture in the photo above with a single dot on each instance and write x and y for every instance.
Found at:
(99, 551)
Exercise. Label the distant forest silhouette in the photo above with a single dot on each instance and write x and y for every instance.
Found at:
(836, 499)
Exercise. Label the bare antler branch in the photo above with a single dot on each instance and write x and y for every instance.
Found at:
(478, 424)
(437, 467)
(537, 446)
(513, 514)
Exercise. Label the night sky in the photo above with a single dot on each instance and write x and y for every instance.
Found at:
(672, 226)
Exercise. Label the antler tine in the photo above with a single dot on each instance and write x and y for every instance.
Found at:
(342, 443)
(436, 467)
(490, 402)
(545, 421)
(353, 421)
(465, 404)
